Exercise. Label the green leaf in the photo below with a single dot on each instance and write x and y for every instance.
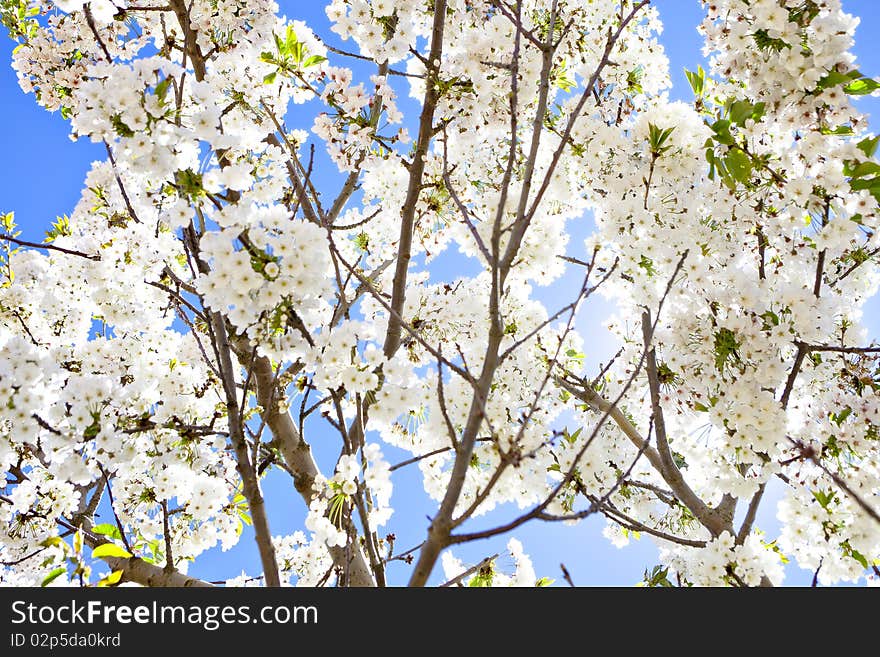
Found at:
(839, 130)
(770, 318)
(571, 438)
(658, 577)
(162, 88)
(657, 139)
(189, 183)
(739, 164)
(710, 158)
(92, 430)
(774, 547)
(563, 81)
(362, 241)
(868, 146)
(7, 221)
(110, 550)
(832, 79)
(545, 581)
(290, 39)
(60, 228)
(804, 13)
(871, 184)
(742, 110)
(865, 169)
(765, 42)
(270, 78)
(862, 87)
(106, 529)
(697, 81)
(864, 183)
(823, 498)
(680, 462)
(313, 61)
(53, 541)
(111, 580)
(634, 80)
(337, 508)
(297, 52)
(55, 574)
(483, 578)
(120, 126)
(666, 374)
(721, 128)
(858, 556)
(839, 418)
(758, 111)
(648, 265)
(725, 347)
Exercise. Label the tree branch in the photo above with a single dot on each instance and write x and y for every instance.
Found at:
(476, 567)
(49, 247)
(416, 171)
(297, 454)
(668, 469)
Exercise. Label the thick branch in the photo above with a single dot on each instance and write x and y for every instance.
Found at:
(668, 469)
(250, 484)
(297, 454)
(679, 487)
(135, 569)
(417, 169)
(141, 572)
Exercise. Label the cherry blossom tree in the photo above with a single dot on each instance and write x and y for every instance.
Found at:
(254, 267)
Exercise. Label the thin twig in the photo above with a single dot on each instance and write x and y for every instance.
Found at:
(91, 23)
(169, 555)
(566, 575)
(113, 508)
(809, 453)
(354, 55)
(458, 578)
(125, 198)
(49, 247)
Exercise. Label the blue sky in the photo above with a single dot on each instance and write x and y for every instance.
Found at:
(43, 173)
